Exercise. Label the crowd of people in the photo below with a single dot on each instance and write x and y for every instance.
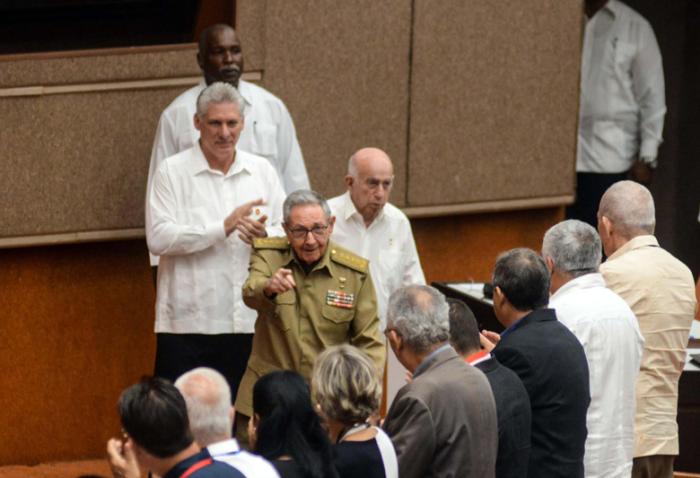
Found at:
(278, 311)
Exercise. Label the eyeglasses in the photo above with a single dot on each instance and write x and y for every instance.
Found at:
(301, 232)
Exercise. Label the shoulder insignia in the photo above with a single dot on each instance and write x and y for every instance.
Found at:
(270, 243)
(349, 259)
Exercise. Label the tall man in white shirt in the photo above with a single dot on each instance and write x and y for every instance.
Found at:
(661, 292)
(269, 130)
(198, 199)
(622, 103)
(368, 225)
(608, 331)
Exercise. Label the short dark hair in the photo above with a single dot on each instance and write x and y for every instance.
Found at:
(204, 35)
(522, 276)
(154, 414)
(464, 330)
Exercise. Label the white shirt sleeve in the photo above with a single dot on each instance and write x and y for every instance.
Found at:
(413, 273)
(165, 234)
(648, 86)
(292, 167)
(274, 205)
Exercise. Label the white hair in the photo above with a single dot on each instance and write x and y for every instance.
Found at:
(420, 315)
(574, 246)
(219, 92)
(208, 399)
(630, 207)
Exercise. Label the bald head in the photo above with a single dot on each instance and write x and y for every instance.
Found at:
(208, 399)
(630, 207)
(626, 211)
(369, 181)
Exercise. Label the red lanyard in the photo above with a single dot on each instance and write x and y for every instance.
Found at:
(196, 466)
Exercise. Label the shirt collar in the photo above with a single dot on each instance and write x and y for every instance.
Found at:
(324, 262)
(226, 447)
(244, 88)
(349, 210)
(635, 243)
(200, 164)
(423, 366)
(586, 281)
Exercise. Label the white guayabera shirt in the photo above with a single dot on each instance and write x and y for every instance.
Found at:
(608, 331)
(387, 243)
(268, 132)
(622, 91)
(201, 270)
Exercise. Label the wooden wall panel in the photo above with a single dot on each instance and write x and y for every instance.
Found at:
(92, 66)
(77, 162)
(342, 68)
(494, 100)
(464, 248)
(77, 328)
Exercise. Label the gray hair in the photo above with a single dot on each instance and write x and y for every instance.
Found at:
(574, 246)
(208, 399)
(352, 166)
(346, 384)
(219, 92)
(420, 315)
(302, 197)
(630, 207)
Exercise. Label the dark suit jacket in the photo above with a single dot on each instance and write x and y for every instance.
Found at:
(552, 365)
(443, 423)
(513, 408)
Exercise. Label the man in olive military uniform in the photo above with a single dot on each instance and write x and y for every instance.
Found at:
(309, 294)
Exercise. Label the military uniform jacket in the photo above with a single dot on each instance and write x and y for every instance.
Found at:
(333, 304)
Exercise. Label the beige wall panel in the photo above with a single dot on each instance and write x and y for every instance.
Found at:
(92, 66)
(77, 162)
(494, 100)
(250, 27)
(342, 69)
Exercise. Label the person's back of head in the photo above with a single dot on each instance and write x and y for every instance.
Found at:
(464, 329)
(626, 211)
(287, 425)
(522, 277)
(419, 315)
(346, 385)
(208, 398)
(154, 415)
(573, 247)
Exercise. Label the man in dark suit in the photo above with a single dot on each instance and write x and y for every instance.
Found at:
(443, 423)
(512, 402)
(549, 360)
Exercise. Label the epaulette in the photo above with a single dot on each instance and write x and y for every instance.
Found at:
(270, 243)
(347, 258)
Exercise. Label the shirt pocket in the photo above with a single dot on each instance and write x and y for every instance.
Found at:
(390, 265)
(285, 310)
(265, 143)
(335, 324)
(624, 55)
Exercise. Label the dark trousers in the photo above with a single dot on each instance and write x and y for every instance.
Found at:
(590, 187)
(226, 353)
(654, 466)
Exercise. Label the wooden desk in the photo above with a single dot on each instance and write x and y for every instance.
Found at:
(472, 295)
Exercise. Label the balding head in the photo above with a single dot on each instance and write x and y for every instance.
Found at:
(208, 399)
(626, 211)
(369, 180)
